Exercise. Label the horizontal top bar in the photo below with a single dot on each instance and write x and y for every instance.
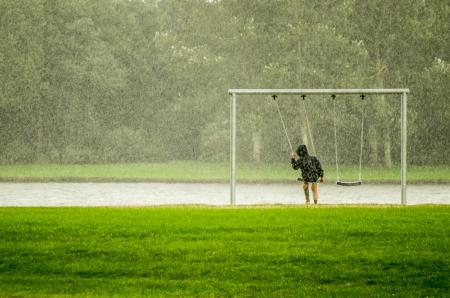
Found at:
(317, 91)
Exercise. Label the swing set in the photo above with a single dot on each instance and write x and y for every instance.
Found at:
(333, 93)
(305, 113)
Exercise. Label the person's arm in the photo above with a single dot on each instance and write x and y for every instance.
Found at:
(294, 162)
(319, 168)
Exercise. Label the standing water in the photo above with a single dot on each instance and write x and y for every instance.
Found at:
(151, 194)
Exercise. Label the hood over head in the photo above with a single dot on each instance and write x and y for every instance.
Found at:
(302, 151)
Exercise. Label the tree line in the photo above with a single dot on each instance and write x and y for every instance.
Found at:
(143, 81)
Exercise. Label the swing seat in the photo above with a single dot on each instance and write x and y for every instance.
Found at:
(349, 183)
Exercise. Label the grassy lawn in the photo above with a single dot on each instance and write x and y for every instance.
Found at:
(203, 251)
(192, 171)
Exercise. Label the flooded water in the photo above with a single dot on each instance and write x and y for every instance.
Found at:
(151, 194)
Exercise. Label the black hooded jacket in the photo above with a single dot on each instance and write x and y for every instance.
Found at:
(308, 164)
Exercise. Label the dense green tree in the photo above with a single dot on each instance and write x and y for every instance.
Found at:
(432, 125)
(129, 81)
(21, 66)
(395, 35)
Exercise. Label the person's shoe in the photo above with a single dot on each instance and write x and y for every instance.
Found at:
(316, 204)
(307, 204)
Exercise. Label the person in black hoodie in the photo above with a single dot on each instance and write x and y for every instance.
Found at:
(311, 169)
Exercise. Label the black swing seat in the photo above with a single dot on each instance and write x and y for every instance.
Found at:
(349, 183)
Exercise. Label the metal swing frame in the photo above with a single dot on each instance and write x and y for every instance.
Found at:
(233, 93)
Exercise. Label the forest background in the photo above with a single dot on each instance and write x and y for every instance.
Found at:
(146, 81)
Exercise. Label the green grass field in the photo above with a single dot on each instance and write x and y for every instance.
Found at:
(192, 171)
(222, 252)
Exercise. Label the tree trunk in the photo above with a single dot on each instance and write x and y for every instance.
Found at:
(373, 144)
(387, 147)
(386, 133)
(383, 113)
(256, 138)
(40, 128)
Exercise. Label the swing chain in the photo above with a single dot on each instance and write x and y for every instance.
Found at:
(282, 122)
(359, 182)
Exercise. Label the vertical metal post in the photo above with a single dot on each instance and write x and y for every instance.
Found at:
(403, 147)
(233, 149)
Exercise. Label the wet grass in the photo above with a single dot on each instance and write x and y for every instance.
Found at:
(204, 251)
(191, 171)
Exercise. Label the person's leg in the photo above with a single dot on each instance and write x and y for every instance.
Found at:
(315, 192)
(306, 190)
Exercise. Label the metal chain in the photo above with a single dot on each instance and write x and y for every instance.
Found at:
(282, 122)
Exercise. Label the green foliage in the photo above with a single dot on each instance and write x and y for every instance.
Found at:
(435, 79)
(215, 143)
(124, 145)
(196, 252)
(16, 152)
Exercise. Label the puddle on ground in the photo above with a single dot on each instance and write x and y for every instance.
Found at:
(150, 194)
